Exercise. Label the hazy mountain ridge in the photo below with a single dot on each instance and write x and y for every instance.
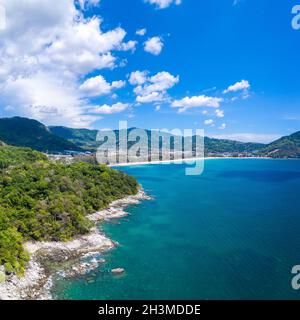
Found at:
(86, 139)
(82, 138)
(23, 132)
(57, 139)
(285, 147)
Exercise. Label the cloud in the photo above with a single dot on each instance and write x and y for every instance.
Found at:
(128, 46)
(222, 126)
(154, 46)
(115, 108)
(238, 86)
(141, 32)
(138, 77)
(46, 97)
(162, 4)
(209, 122)
(152, 88)
(160, 82)
(88, 3)
(196, 102)
(83, 48)
(45, 52)
(151, 97)
(219, 113)
(98, 86)
(249, 137)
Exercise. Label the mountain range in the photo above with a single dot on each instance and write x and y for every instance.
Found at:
(25, 132)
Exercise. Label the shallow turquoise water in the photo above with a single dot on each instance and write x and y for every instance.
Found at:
(231, 233)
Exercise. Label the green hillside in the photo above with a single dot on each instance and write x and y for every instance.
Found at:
(43, 200)
(30, 133)
(13, 156)
(82, 138)
(229, 146)
(285, 147)
(23, 132)
(86, 139)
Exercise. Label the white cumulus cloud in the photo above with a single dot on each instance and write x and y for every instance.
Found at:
(162, 4)
(128, 46)
(87, 3)
(138, 77)
(98, 86)
(115, 108)
(141, 32)
(152, 88)
(154, 45)
(151, 97)
(238, 86)
(219, 113)
(196, 102)
(46, 97)
(45, 52)
(209, 122)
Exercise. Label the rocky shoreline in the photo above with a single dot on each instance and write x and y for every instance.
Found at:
(37, 281)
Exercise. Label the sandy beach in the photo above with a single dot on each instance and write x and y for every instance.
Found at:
(179, 161)
(37, 280)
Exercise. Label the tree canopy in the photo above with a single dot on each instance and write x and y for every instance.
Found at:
(48, 201)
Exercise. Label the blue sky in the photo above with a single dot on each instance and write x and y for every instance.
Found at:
(229, 67)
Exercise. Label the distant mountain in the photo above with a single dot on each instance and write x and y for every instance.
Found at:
(30, 133)
(213, 145)
(86, 139)
(23, 132)
(82, 138)
(285, 147)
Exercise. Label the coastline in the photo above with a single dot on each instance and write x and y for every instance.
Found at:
(37, 281)
(190, 160)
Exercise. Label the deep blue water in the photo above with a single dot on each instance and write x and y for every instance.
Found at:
(231, 233)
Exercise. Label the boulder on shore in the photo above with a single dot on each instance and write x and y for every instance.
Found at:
(117, 270)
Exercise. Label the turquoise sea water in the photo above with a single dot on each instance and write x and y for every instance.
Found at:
(231, 233)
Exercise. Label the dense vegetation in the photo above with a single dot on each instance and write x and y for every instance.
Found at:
(86, 139)
(12, 156)
(285, 147)
(30, 133)
(43, 200)
(82, 138)
(229, 146)
(22, 132)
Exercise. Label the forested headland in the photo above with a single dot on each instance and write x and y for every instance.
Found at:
(48, 201)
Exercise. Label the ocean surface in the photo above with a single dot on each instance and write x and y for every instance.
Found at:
(231, 233)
